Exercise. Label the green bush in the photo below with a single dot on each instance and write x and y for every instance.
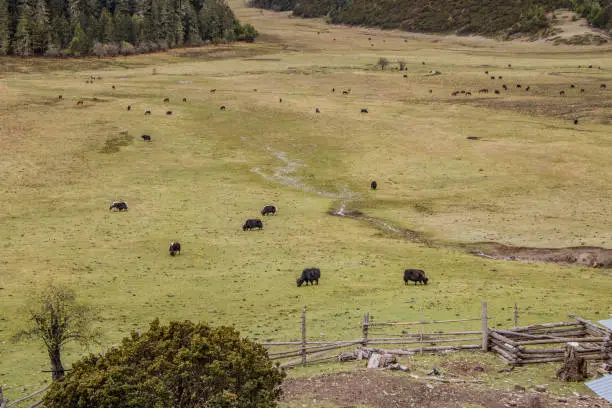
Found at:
(179, 365)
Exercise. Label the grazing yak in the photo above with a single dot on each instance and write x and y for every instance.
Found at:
(373, 185)
(317, 110)
(146, 138)
(184, 99)
(60, 97)
(175, 248)
(119, 206)
(414, 275)
(309, 275)
(268, 209)
(252, 224)
(168, 112)
(147, 112)
(129, 108)
(80, 102)
(166, 100)
(364, 110)
(222, 107)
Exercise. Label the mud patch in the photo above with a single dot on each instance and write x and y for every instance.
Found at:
(384, 390)
(595, 257)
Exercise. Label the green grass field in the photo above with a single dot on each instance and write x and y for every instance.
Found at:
(534, 179)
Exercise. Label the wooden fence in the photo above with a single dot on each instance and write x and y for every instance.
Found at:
(539, 343)
(303, 352)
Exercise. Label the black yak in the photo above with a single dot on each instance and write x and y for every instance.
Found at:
(175, 247)
(252, 224)
(415, 275)
(309, 275)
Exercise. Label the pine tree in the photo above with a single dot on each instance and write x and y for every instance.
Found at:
(107, 27)
(190, 24)
(4, 28)
(78, 46)
(22, 43)
(40, 28)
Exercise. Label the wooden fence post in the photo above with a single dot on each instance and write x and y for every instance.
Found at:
(304, 336)
(485, 327)
(606, 354)
(2, 400)
(364, 329)
(516, 316)
(421, 328)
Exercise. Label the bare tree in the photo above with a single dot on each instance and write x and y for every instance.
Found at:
(383, 62)
(56, 318)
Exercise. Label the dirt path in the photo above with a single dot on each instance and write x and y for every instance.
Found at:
(383, 390)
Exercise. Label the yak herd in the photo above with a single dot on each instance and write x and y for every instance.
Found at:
(312, 275)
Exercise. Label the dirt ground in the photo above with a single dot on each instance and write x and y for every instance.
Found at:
(379, 389)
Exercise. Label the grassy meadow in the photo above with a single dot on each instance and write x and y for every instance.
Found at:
(534, 179)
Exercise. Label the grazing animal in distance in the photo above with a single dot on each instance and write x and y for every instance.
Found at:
(268, 209)
(603, 86)
(562, 93)
(415, 275)
(518, 85)
(60, 97)
(572, 86)
(431, 90)
(113, 86)
(168, 112)
(333, 89)
(280, 100)
(497, 91)
(119, 206)
(472, 138)
(184, 99)
(528, 88)
(505, 87)
(129, 108)
(213, 90)
(317, 110)
(364, 110)
(175, 248)
(146, 137)
(492, 77)
(487, 72)
(252, 224)
(147, 112)
(575, 121)
(499, 77)
(309, 275)
(582, 90)
(166, 100)
(405, 75)
(222, 107)
(373, 185)
(468, 93)
(80, 102)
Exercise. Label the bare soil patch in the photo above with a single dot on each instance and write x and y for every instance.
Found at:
(383, 390)
(588, 256)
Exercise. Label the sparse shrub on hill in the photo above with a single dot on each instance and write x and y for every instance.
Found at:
(488, 17)
(181, 365)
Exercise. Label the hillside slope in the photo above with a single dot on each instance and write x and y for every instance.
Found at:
(485, 17)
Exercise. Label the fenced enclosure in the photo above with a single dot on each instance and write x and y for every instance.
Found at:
(538, 343)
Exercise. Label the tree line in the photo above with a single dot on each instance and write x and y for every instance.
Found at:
(112, 27)
(499, 18)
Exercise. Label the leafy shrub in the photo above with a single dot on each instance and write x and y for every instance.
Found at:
(111, 50)
(127, 49)
(99, 50)
(181, 365)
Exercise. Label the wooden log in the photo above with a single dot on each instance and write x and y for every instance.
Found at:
(589, 324)
(316, 347)
(545, 326)
(499, 337)
(376, 341)
(299, 360)
(364, 328)
(306, 352)
(424, 322)
(484, 327)
(511, 362)
(417, 349)
(304, 336)
(554, 359)
(542, 351)
(28, 396)
(374, 360)
(508, 356)
(428, 335)
(526, 335)
(560, 340)
(299, 343)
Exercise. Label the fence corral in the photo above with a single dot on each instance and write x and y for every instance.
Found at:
(538, 343)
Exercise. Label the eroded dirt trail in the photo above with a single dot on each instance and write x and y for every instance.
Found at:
(586, 256)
